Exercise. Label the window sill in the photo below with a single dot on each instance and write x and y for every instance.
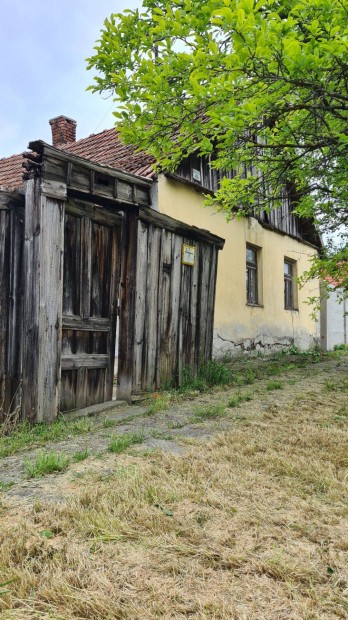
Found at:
(291, 309)
(248, 303)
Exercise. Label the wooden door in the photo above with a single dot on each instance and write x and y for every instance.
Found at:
(90, 285)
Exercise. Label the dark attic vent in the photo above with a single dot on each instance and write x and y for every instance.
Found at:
(101, 180)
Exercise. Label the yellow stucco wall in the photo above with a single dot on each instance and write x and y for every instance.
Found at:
(268, 325)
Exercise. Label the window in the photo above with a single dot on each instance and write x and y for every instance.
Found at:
(289, 285)
(251, 275)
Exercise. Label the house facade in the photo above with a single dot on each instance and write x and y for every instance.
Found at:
(259, 304)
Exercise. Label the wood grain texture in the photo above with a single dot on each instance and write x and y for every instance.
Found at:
(127, 305)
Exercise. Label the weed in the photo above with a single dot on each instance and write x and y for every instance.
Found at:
(107, 423)
(6, 583)
(205, 412)
(238, 398)
(249, 377)
(46, 463)
(159, 403)
(234, 401)
(4, 486)
(80, 456)
(120, 443)
(25, 435)
(335, 386)
(274, 385)
(341, 347)
(211, 374)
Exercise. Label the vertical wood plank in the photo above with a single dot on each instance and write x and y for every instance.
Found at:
(5, 269)
(151, 318)
(140, 309)
(31, 301)
(175, 363)
(15, 310)
(50, 316)
(127, 304)
(42, 308)
(164, 368)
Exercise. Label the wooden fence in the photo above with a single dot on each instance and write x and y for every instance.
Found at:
(82, 247)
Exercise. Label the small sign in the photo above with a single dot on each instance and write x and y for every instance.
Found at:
(188, 255)
(196, 175)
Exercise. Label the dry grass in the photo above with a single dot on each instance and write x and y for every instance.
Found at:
(251, 526)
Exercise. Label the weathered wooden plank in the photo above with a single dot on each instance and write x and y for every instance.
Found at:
(211, 303)
(31, 301)
(185, 327)
(72, 266)
(86, 267)
(42, 304)
(92, 324)
(52, 154)
(164, 366)
(84, 360)
(175, 286)
(84, 209)
(68, 390)
(50, 313)
(114, 265)
(5, 269)
(203, 279)
(193, 309)
(101, 253)
(54, 189)
(15, 309)
(140, 309)
(151, 318)
(127, 305)
(179, 228)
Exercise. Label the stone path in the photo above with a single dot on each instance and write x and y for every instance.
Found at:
(171, 430)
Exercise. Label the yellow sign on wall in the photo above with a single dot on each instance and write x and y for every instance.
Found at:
(188, 255)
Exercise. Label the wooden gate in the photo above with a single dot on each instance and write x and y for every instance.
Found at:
(90, 287)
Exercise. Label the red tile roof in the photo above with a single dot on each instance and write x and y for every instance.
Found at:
(11, 172)
(106, 148)
(102, 148)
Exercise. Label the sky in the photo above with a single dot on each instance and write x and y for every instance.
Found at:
(43, 47)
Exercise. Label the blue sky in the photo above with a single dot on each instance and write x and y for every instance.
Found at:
(43, 46)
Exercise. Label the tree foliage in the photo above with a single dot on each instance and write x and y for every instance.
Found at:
(260, 86)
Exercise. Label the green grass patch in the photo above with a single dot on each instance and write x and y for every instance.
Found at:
(80, 456)
(5, 486)
(25, 436)
(107, 423)
(274, 385)
(209, 375)
(120, 443)
(238, 398)
(46, 463)
(207, 412)
(160, 403)
(331, 385)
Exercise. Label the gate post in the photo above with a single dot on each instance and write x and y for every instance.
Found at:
(42, 303)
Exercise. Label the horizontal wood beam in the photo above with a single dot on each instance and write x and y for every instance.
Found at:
(41, 147)
(179, 228)
(83, 360)
(86, 325)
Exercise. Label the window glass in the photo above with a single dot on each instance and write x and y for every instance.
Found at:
(288, 286)
(251, 276)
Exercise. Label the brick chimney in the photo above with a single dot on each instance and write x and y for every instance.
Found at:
(63, 130)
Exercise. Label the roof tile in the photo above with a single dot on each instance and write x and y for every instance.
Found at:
(102, 148)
